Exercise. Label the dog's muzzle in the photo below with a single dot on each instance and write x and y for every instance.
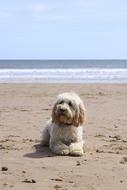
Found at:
(62, 110)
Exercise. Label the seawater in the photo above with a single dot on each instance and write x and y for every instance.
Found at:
(63, 71)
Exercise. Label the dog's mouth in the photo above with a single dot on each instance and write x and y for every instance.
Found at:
(64, 120)
(63, 117)
(62, 113)
(65, 124)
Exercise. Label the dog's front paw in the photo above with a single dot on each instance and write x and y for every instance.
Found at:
(62, 152)
(76, 153)
(76, 149)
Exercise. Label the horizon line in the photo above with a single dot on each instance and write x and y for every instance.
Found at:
(113, 59)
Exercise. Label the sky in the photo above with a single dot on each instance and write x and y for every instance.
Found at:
(67, 29)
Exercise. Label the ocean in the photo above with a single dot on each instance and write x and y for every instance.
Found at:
(63, 71)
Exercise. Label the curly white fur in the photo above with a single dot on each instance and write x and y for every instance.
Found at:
(64, 132)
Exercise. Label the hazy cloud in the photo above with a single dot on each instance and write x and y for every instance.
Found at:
(62, 28)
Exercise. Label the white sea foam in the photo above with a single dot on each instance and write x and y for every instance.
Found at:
(88, 75)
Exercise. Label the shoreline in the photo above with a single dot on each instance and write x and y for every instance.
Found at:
(65, 83)
(64, 75)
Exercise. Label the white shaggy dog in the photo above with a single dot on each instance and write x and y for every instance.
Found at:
(64, 132)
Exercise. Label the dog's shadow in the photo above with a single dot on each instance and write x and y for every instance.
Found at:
(40, 152)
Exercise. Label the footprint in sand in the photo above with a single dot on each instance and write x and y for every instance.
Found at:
(124, 160)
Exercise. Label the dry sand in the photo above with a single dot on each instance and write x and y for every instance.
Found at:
(24, 110)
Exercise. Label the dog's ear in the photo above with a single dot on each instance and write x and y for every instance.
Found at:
(55, 118)
(53, 113)
(80, 115)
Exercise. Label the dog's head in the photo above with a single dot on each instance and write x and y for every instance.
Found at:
(69, 110)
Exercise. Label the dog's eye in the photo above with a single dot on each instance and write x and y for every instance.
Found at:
(61, 102)
(70, 104)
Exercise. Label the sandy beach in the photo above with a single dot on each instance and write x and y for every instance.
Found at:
(24, 164)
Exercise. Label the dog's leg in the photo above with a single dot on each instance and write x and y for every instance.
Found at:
(59, 148)
(76, 149)
(45, 137)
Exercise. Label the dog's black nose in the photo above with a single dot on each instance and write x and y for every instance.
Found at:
(62, 110)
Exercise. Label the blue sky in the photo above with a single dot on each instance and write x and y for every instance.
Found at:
(68, 29)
